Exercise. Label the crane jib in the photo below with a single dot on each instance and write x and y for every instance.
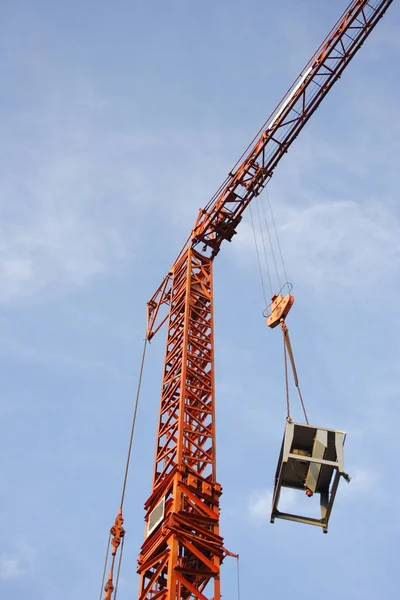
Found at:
(218, 221)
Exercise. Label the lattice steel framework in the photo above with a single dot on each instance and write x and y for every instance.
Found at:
(181, 555)
(219, 219)
(180, 558)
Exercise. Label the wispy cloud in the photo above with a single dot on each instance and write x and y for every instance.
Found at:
(260, 501)
(364, 480)
(56, 227)
(338, 245)
(10, 568)
(35, 355)
(259, 504)
(76, 191)
(54, 245)
(18, 562)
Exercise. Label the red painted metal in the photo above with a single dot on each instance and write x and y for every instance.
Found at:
(181, 556)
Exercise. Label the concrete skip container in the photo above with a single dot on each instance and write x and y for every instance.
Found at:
(311, 460)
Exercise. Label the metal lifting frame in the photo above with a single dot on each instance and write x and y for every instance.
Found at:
(311, 459)
(182, 552)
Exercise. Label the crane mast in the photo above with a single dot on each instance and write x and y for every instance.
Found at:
(185, 552)
(182, 552)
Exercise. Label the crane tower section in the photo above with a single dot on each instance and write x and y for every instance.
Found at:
(186, 551)
(182, 552)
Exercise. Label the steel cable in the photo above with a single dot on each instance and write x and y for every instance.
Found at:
(128, 459)
(276, 234)
(119, 569)
(238, 578)
(133, 423)
(258, 257)
(288, 348)
(271, 246)
(265, 250)
(286, 380)
(105, 566)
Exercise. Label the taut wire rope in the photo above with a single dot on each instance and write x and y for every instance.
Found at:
(128, 459)
(288, 349)
(276, 234)
(119, 569)
(105, 567)
(117, 532)
(238, 577)
(265, 250)
(258, 256)
(271, 245)
(288, 417)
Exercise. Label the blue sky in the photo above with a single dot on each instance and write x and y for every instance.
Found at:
(118, 121)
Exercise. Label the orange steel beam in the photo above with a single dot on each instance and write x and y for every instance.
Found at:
(181, 557)
(182, 552)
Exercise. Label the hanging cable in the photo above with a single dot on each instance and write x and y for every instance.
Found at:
(276, 235)
(233, 555)
(271, 245)
(288, 417)
(296, 379)
(288, 348)
(119, 569)
(258, 256)
(238, 577)
(128, 459)
(105, 566)
(303, 406)
(117, 532)
(265, 251)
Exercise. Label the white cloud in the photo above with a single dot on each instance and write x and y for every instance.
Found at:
(53, 245)
(18, 562)
(61, 194)
(76, 192)
(363, 481)
(16, 272)
(339, 244)
(10, 568)
(260, 502)
(343, 243)
(34, 355)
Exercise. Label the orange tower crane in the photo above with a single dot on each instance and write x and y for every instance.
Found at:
(183, 550)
